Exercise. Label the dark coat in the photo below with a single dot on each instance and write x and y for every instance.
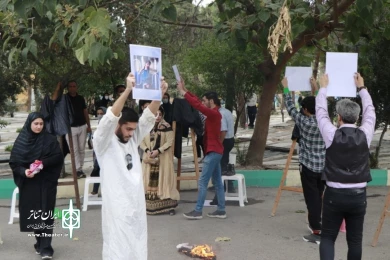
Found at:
(37, 195)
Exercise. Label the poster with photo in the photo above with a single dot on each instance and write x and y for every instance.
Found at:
(145, 63)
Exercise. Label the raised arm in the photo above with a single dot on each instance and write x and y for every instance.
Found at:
(291, 109)
(369, 117)
(148, 118)
(195, 103)
(325, 125)
(109, 122)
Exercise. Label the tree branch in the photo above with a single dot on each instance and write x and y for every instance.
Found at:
(321, 31)
(39, 64)
(194, 25)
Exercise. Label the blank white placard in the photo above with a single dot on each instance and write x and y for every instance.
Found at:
(341, 68)
(299, 78)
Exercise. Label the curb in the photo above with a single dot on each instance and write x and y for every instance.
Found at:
(253, 178)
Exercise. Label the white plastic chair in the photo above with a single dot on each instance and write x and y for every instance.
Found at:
(241, 196)
(87, 200)
(14, 213)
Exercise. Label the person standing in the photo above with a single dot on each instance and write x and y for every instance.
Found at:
(37, 192)
(168, 108)
(311, 158)
(346, 168)
(101, 111)
(80, 126)
(157, 165)
(199, 138)
(214, 150)
(227, 138)
(252, 110)
(116, 142)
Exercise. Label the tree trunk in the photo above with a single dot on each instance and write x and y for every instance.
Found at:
(238, 116)
(29, 98)
(241, 104)
(229, 100)
(374, 163)
(259, 139)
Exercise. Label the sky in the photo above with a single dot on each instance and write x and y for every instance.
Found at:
(203, 2)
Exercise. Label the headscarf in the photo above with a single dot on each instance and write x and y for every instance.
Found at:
(28, 145)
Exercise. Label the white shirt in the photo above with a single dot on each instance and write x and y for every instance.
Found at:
(252, 101)
(124, 223)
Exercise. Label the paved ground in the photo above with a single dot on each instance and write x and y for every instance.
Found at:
(254, 235)
(278, 145)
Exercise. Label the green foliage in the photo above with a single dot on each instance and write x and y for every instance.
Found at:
(8, 148)
(3, 123)
(87, 31)
(19, 129)
(241, 153)
(216, 66)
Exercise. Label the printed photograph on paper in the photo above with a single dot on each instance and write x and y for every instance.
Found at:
(145, 63)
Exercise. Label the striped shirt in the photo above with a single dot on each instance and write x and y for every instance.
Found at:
(311, 145)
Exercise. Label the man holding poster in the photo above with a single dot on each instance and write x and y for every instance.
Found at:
(311, 158)
(116, 142)
(346, 169)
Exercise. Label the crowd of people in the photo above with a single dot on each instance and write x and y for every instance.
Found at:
(133, 156)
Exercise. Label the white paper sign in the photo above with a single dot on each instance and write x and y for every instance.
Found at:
(299, 78)
(145, 63)
(176, 71)
(341, 68)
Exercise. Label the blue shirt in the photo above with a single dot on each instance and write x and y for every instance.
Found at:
(227, 122)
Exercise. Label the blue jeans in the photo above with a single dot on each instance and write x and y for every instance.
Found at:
(211, 169)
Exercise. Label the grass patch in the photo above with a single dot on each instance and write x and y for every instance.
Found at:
(8, 148)
(19, 130)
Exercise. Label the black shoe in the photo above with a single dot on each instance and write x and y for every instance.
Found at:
(193, 215)
(214, 202)
(80, 174)
(225, 173)
(312, 238)
(172, 212)
(230, 170)
(37, 250)
(44, 257)
(217, 214)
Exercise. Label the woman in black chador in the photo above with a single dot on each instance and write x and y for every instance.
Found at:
(37, 192)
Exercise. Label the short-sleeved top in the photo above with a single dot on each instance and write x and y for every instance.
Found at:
(227, 122)
(78, 104)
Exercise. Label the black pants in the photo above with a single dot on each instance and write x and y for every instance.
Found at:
(252, 111)
(228, 145)
(95, 173)
(339, 204)
(199, 146)
(313, 188)
(43, 244)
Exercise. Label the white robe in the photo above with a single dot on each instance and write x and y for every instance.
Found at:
(124, 225)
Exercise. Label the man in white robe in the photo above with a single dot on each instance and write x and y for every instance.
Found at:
(116, 142)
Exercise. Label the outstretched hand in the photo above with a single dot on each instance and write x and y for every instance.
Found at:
(164, 86)
(285, 82)
(130, 81)
(324, 81)
(359, 81)
(181, 86)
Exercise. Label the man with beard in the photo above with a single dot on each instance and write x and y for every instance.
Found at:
(116, 142)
